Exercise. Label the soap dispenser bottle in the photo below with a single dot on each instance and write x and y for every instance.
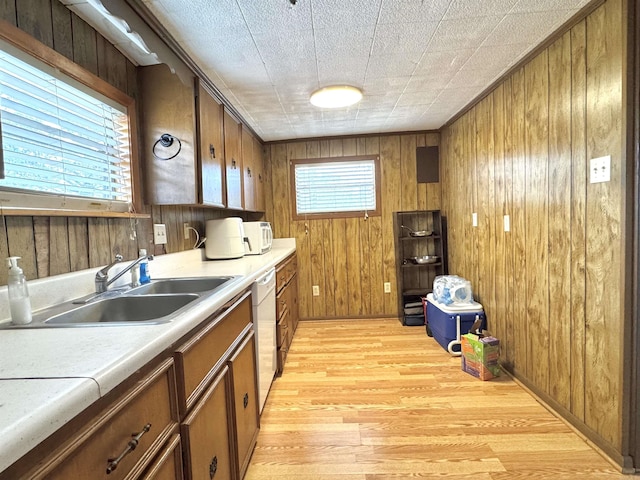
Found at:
(145, 277)
(19, 302)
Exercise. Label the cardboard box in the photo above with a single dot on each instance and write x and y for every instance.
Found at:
(480, 356)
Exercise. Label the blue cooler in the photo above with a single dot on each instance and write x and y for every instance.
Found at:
(449, 322)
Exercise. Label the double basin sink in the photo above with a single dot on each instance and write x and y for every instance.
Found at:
(157, 302)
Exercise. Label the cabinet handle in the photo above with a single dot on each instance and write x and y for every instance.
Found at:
(213, 467)
(112, 463)
(245, 400)
(249, 171)
(212, 151)
(233, 163)
(260, 177)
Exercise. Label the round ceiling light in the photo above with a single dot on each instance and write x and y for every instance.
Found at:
(336, 96)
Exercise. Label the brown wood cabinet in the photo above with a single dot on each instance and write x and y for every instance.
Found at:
(168, 466)
(286, 307)
(245, 401)
(253, 173)
(233, 161)
(122, 440)
(190, 171)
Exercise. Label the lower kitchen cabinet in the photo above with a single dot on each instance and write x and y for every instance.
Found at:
(206, 434)
(245, 393)
(122, 440)
(286, 307)
(168, 466)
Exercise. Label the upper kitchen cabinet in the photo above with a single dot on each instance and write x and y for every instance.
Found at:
(252, 172)
(183, 141)
(233, 157)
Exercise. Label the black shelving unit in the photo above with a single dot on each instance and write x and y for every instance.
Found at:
(415, 281)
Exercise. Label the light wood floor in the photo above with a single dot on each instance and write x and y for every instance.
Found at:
(372, 400)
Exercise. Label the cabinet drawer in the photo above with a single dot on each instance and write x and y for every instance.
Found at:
(282, 358)
(282, 331)
(281, 302)
(196, 360)
(281, 277)
(146, 412)
(168, 466)
(206, 434)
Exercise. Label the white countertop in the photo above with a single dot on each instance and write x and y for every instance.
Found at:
(49, 375)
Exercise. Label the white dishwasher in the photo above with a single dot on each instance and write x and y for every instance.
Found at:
(264, 318)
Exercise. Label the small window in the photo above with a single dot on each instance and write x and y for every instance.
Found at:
(336, 187)
(64, 146)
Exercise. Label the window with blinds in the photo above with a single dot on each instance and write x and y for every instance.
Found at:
(336, 187)
(64, 146)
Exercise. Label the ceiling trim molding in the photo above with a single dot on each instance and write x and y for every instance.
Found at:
(346, 137)
(568, 25)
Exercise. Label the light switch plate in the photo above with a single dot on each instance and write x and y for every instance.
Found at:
(507, 223)
(474, 219)
(159, 233)
(316, 290)
(387, 287)
(600, 169)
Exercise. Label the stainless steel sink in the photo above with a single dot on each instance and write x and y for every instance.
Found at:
(180, 285)
(151, 310)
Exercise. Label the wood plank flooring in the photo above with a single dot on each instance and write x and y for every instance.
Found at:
(372, 400)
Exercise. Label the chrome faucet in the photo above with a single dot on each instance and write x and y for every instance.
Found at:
(102, 277)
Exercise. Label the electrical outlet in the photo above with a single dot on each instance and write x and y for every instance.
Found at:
(185, 226)
(387, 287)
(159, 233)
(474, 219)
(507, 223)
(600, 169)
(316, 290)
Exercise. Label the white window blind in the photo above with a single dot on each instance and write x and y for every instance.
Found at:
(60, 141)
(340, 186)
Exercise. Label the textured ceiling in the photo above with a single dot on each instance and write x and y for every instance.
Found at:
(418, 62)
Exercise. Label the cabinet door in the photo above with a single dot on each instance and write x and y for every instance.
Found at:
(245, 401)
(205, 434)
(249, 173)
(258, 166)
(233, 162)
(168, 106)
(211, 150)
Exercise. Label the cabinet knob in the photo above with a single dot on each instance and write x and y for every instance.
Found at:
(112, 463)
(260, 177)
(212, 151)
(245, 400)
(213, 467)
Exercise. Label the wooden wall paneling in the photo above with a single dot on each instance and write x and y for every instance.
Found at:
(78, 243)
(329, 271)
(408, 173)
(604, 318)
(280, 178)
(172, 218)
(340, 265)
(390, 166)
(537, 217)
(62, 31)
(433, 190)
(500, 258)
(8, 11)
(4, 248)
(122, 238)
(59, 252)
(578, 215)
(372, 251)
(366, 287)
(21, 243)
(100, 252)
(269, 214)
(316, 265)
(518, 223)
(116, 66)
(132, 83)
(559, 242)
(467, 183)
(354, 263)
(41, 239)
(421, 190)
(85, 49)
(34, 17)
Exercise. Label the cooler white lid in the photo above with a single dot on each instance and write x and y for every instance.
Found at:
(453, 308)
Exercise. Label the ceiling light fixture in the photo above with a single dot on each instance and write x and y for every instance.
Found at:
(336, 96)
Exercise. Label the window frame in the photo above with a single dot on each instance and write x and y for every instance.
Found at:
(31, 46)
(345, 214)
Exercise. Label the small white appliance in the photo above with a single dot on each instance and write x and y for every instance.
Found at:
(263, 293)
(225, 238)
(260, 237)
